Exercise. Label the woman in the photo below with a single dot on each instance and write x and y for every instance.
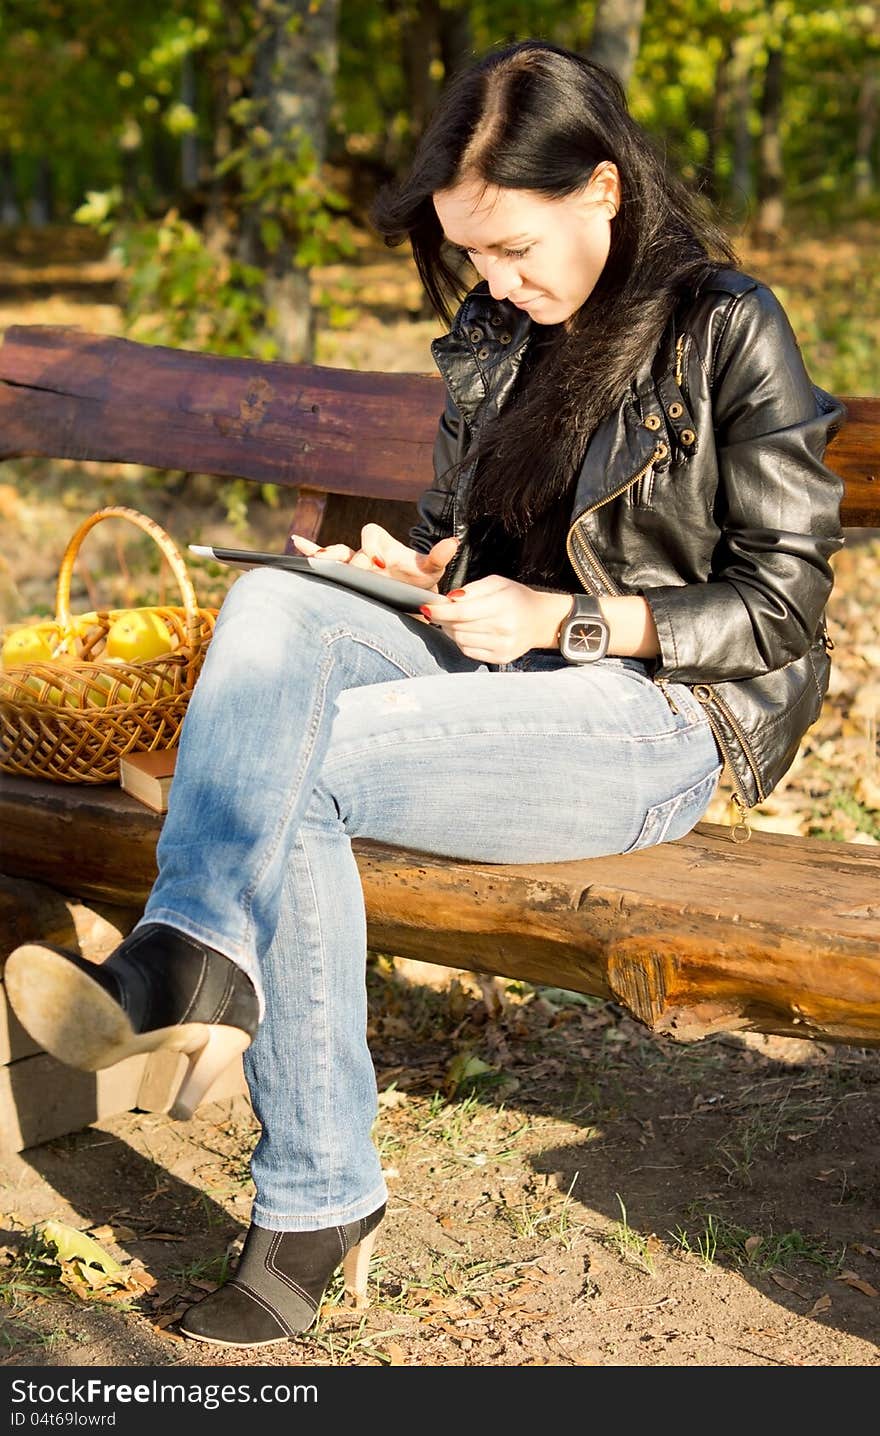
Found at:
(625, 557)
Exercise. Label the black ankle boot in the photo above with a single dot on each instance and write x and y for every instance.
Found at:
(279, 1282)
(159, 990)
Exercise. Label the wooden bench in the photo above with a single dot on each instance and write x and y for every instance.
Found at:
(778, 935)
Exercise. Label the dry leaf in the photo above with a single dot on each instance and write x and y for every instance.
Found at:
(392, 1097)
(139, 1277)
(867, 790)
(752, 1244)
(789, 1283)
(852, 1278)
(168, 1335)
(72, 1245)
(465, 1067)
(396, 1354)
(110, 1233)
(823, 1304)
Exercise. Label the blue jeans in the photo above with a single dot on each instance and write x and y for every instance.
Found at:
(321, 715)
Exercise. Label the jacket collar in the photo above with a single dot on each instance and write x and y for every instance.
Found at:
(479, 360)
(480, 357)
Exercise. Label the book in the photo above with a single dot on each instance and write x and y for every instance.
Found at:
(147, 776)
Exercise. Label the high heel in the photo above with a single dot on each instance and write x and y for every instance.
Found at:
(279, 1283)
(356, 1269)
(159, 990)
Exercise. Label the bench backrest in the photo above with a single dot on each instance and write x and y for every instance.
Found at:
(65, 393)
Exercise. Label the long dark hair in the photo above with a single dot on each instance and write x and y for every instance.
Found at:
(537, 117)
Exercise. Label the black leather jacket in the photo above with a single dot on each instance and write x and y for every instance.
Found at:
(705, 491)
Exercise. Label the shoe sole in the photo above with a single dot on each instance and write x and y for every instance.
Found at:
(74, 1019)
(241, 1345)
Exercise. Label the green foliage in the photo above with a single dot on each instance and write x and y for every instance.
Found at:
(109, 96)
(178, 291)
(285, 185)
(95, 86)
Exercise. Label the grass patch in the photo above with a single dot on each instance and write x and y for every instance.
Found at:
(631, 1246)
(714, 1238)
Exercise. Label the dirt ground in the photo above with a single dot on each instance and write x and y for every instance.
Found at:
(566, 1189)
(601, 1197)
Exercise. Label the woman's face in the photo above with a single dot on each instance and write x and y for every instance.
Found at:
(544, 255)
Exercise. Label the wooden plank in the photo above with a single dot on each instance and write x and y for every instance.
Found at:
(95, 843)
(71, 394)
(41, 1099)
(34, 911)
(855, 455)
(31, 910)
(779, 935)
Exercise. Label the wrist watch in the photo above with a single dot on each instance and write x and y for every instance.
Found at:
(584, 634)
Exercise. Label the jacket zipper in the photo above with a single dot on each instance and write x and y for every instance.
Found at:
(597, 580)
(600, 580)
(706, 695)
(679, 363)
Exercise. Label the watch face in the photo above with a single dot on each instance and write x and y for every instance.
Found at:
(586, 640)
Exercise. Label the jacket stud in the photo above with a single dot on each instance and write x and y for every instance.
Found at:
(676, 410)
(687, 436)
(652, 421)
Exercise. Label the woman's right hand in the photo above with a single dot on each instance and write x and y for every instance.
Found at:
(381, 552)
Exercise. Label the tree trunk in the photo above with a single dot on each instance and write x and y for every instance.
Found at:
(617, 32)
(10, 210)
(718, 120)
(224, 89)
(293, 78)
(866, 135)
(41, 206)
(741, 96)
(456, 38)
(421, 46)
(771, 205)
(189, 144)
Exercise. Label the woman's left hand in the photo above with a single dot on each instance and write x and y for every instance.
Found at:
(496, 620)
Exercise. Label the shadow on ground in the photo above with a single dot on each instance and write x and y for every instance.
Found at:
(713, 1203)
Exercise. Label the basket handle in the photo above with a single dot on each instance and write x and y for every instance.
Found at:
(166, 544)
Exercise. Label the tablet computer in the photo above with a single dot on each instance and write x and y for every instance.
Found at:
(406, 597)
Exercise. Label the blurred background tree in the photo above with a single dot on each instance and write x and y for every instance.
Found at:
(228, 147)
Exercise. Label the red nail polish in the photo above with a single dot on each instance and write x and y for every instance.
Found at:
(379, 562)
(425, 610)
(456, 593)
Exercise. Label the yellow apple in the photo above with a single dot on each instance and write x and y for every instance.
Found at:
(39, 689)
(26, 645)
(101, 693)
(137, 635)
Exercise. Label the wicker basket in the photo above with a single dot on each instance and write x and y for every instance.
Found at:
(71, 720)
